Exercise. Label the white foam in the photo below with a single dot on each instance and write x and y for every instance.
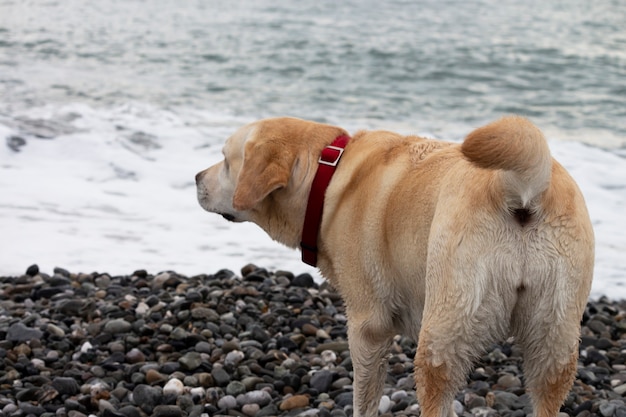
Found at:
(103, 197)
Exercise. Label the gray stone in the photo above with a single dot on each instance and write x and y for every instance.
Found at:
(303, 280)
(190, 361)
(268, 411)
(227, 402)
(338, 413)
(235, 388)
(205, 313)
(607, 409)
(18, 332)
(220, 376)
(28, 408)
(399, 395)
(147, 397)
(475, 401)
(117, 326)
(65, 385)
(458, 407)
(508, 400)
(167, 411)
(509, 381)
(129, 411)
(344, 399)
(103, 282)
(259, 334)
(322, 380)
(250, 382)
(204, 347)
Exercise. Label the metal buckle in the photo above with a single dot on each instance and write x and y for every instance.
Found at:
(336, 160)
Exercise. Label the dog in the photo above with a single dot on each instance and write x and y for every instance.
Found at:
(456, 245)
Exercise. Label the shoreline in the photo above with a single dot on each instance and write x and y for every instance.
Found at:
(251, 343)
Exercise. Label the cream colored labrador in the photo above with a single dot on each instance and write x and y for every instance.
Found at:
(455, 245)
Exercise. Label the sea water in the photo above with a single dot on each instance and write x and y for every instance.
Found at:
(108, 109)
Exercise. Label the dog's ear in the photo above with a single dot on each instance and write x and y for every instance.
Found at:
(264, 170)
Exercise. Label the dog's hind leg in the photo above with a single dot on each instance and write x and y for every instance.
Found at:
(548, 334)
(370, 341)
(451, 339)
(549, 389)
(468, 307)
(447, 349)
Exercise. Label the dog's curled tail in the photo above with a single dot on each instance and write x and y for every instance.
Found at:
(517, 147)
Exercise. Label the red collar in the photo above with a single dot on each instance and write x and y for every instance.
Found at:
(313, 218)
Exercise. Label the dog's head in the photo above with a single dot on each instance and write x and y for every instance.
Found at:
(266, 175)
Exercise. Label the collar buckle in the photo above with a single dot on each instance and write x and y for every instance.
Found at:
(331, 155)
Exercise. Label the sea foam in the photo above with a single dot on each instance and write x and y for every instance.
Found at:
(112, 190)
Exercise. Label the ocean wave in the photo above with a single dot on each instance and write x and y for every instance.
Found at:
(113, 188)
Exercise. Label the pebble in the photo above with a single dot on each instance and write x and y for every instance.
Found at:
(322, 380)
(55, 330)
(135, 356)
(220, 376)
(19, 332)
(190, 361)
(293, 402)
(251, 409)
(236, 388)
(259, 397)
(509, 381)
(117, 326)
(167, 411)
(259, 344)
(152, 376)
(227, 402)
(65, 385)
(174, 387)
(384, 404)
(147, 397)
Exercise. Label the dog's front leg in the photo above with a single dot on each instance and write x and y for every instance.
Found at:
(369, 349)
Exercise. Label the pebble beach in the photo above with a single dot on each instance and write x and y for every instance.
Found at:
(247, 343)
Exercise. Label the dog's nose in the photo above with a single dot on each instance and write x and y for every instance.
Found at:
(199, 176)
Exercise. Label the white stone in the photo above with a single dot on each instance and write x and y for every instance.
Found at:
(399, 395)
(234, 357)
(328, 357)
(384, 405)
(141, 309)
(458, 407)
(620, 389)
(174, 387)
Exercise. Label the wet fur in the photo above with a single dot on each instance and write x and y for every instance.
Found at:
(454, 245)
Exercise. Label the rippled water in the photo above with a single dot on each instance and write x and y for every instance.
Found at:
(109, 108)
(421, 64)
